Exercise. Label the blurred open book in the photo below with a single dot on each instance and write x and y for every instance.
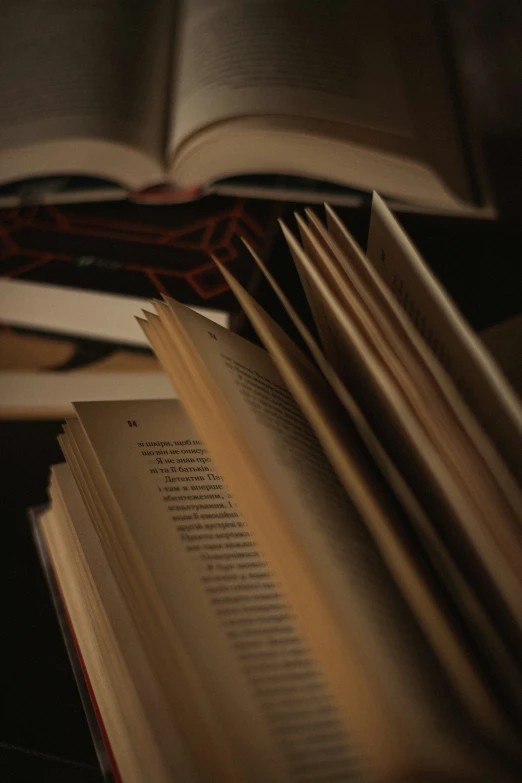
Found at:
(309, 568)
(168, 100)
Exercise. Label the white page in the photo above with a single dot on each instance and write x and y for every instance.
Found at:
(73, 71)
(110, 624)
(438, 320)
(379, 511)
(314, 540)
(50, 395)
(483, 629)
(330, 61)
(96, 315)
(196, 545)
(437, 464)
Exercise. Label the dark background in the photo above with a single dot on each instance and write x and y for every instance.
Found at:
(43, 732)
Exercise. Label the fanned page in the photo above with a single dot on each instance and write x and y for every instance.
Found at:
(252, 690)
(444, 329)
(422, 420)
(372, 308)
(84, 88)
(379, 511)
(388, 685)
(499, 660)
(128, 695)
(405, 545)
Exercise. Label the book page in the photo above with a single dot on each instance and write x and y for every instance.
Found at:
(423, 422)
(425, 537)
(295, 58)
(122, 677)
(382, 515)
(257, 677)
(317, 543)
(71, 70)
(439, 322)
(113, 703)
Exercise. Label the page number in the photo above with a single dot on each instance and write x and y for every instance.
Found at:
(131, 423)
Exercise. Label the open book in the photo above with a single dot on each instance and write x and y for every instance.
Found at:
(309, 567)
(198, 95)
